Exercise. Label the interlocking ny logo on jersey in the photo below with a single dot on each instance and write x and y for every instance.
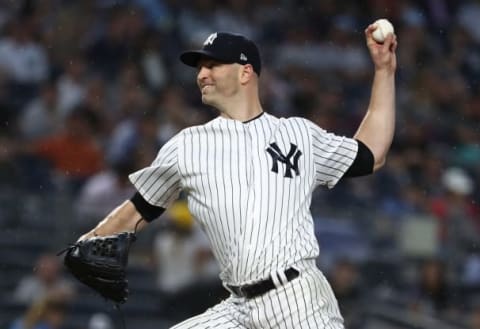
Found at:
(278, 156)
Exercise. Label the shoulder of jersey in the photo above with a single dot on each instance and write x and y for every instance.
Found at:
(196, 128)
(299, 121)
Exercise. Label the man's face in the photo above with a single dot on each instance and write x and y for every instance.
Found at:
(217, 81)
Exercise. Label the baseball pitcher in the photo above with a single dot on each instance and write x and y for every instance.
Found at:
(249, 176)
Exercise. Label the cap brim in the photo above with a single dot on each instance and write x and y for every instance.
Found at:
(191, 58)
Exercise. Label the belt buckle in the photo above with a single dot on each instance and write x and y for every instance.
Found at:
(241, 291)
(237, 290)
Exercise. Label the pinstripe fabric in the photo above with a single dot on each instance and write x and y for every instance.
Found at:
(229, 314)
(306, 302)
(249, 185)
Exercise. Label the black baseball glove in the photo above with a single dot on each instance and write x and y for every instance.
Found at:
(100, 263)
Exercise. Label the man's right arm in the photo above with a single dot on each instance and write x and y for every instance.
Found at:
(121, 219)
(158, 183)
(130, 216)
(377, 127)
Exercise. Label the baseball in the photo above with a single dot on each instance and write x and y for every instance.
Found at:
(384, 27)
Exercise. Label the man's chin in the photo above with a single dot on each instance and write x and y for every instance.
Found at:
(206, 100)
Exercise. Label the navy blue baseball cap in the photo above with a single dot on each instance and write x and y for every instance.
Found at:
(227, 48)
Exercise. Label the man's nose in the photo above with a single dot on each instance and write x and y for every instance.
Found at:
(203, 72)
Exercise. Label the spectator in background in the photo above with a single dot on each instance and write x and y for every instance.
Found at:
(345, 281)
(458, 216)
(71, 85)
(74, 155)
(118, 43)
(46, 280)
(47, 313)
(187, 273)
(24, 62)
(96, 100)
(41, 117)
(66, 26)
(104, 190)
(433, 295)
(152, 62)
(135, 140)
(182, 253)
(21, 56)
(470, 275)
(128, 93)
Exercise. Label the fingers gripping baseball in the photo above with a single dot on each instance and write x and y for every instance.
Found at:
(383, 54)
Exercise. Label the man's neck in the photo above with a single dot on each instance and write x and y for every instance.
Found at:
(241, 117)
(243, 111)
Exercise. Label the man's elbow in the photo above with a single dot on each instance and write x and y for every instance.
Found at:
(379, 162)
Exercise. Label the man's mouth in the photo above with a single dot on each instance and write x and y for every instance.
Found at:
(205, 88)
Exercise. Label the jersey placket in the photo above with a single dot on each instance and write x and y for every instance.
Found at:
(238, 259)
(252, 211)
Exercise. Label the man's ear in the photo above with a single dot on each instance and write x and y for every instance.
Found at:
(246, 73)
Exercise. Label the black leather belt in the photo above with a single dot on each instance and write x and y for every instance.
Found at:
(261, 287)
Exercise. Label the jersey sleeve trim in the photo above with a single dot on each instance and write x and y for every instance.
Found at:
(148, 211)
(363, 163)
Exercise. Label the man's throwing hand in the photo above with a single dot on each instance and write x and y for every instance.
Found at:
(383, 54)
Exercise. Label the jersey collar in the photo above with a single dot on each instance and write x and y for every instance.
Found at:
(254, 118)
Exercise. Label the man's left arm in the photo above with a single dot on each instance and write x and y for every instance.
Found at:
(377, 127)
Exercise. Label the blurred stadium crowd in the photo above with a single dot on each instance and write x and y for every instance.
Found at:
(89, 91)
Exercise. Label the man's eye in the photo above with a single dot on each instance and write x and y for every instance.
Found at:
(208, 65)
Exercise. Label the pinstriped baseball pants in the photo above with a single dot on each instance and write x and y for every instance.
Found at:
(305, 302)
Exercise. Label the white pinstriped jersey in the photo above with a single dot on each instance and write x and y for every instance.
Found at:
(249, 185)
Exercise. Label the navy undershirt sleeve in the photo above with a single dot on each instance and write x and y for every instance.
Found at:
(363, 163)
(148, 211)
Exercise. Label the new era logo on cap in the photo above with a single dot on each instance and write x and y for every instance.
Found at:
(228, 48)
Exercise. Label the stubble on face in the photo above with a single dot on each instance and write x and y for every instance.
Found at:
(218, 83)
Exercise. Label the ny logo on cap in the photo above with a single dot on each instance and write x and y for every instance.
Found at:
(243, 57)
(210, 39)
